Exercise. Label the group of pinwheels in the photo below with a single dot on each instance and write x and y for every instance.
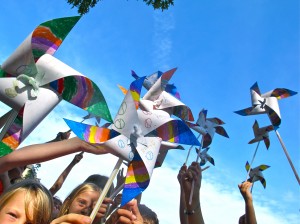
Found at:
(33, 82)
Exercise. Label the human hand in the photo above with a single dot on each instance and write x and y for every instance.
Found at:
(118, 199)
(128, 214)
(245, 190)
(191, 183)
(62, 135)
(120, 178)
(181, 173)
(72, 219)
(77, 158)
(103, 209)
(80, 145)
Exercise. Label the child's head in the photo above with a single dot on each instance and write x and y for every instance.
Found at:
(28, 201)
(81, 200)
(100, 181)
(149, 216)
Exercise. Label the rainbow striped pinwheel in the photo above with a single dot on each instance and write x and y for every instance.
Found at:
(261, 133)
(136, 137)
(256, 173)
(266, 103)
(157, 98)
(207, 127)
(204, 156)
(33, 82)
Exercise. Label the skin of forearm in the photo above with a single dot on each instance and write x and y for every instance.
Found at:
(183, 218)
(61, 179)
(36, 154)
(250, 212)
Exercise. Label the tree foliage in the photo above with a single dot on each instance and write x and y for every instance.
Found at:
(85, 5)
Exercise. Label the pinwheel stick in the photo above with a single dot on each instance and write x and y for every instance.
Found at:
(252, 161)
(10, 120)
(114, 194)
(190, 151)
(106, 188)
(287, 156)
(193, 183)
(193, 186)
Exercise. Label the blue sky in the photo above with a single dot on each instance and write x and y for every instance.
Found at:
(221, 48)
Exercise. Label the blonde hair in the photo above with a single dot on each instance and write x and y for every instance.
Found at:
(78, 190)
(37, 198)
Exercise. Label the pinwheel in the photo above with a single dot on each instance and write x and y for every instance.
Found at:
(267, 103)
(151, 79)
(256, 174)
(261, 134)
(204, 156)
(158, 99)
(207, 127)
(130, 138)
(33, 82)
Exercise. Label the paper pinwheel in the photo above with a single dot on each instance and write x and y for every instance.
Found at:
(151, 79)
(261, 134)
(266, 103)
(204, 156)
(157, 98)
(163, 151)
(256, 173)
(33, 82)
(207, 127)
(135, 142)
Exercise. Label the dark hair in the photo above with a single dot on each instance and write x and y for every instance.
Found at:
(100, 181)
(149, 216)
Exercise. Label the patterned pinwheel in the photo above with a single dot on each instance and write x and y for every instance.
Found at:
(131, 138)
(33, 82)
(261, 134)
(151, 79)
(255, 174)
(207, 127)
(204, 156)
(266, 103)
(157, 98)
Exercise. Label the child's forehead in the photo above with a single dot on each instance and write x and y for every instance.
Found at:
(88, 194)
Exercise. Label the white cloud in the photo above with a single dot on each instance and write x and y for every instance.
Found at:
(163, 25)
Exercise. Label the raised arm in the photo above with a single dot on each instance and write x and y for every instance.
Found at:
(182, 216)
(62, 177)
(192, 211)
(249, 208)
(43, 152)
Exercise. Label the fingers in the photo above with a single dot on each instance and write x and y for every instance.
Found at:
(245, 185)
(135, 210)
(125, 216)
(72, 219)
